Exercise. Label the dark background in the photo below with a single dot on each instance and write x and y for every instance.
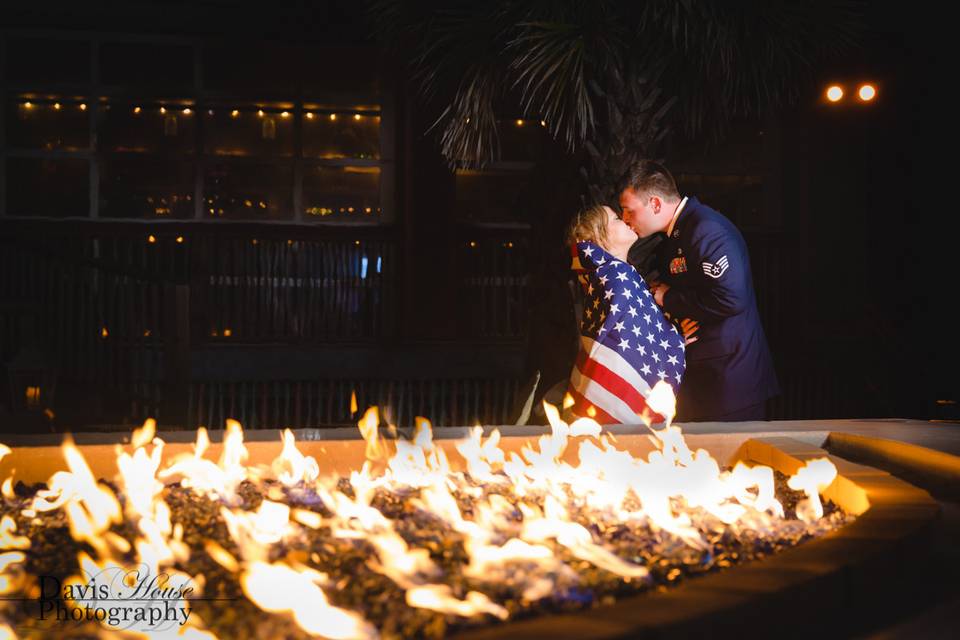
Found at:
(847, 210)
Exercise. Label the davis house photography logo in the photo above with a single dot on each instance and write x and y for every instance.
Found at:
(119, 598)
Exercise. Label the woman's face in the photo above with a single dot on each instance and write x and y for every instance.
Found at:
(620, 237)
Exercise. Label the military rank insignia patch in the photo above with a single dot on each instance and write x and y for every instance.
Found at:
(716, 270)
(678, 265)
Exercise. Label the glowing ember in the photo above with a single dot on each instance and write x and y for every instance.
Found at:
(411, 542)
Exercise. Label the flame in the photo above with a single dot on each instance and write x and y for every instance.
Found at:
(530, 511)
(12, 581)
(812, 478)
(292, 467)
(90, 508)
(368, 429)
(218, 480)
(7, 538)
(280, 588)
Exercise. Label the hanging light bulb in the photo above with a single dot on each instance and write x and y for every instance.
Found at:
(234, 113)
(56, 106)
(136, 109)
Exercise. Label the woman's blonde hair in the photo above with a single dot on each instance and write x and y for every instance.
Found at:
(589, 224)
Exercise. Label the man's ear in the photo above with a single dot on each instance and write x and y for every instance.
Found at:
(656, 203)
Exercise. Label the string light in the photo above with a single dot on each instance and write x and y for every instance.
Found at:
(519, 123)
(260, 112)
(28, 105)
(83, 106)
(56, 105)
(163, 109)
(333, 116)
(284, 114)
(309, 115)
(234, 113)
(151, 239)
(835, 93)
(543, 123)
(179, 239)
(186, 111)
(356, 116)
(136, 109)
(867, 92)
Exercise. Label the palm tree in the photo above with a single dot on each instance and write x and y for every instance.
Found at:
(612, 79)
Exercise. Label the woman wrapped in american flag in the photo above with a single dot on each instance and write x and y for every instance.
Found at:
(627, 345)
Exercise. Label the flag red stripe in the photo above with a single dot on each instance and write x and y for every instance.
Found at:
(590, 368)
(581, 404)
(612, 382)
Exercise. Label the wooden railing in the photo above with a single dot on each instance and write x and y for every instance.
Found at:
(310, 403)
(125, 319)
(124, 309)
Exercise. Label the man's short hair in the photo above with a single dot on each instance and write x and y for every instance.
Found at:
(647, 177)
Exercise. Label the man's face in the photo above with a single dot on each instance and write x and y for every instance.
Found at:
(643, 213)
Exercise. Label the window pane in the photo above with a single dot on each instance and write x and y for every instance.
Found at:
(158, 66)
(249, 131)
(48, 187)
(48, 124)
(341, 134)
(148, 127)
(134, 186)
(241, 66)
(35, 61)
(350, 69)
(493, 196)
(248, 191)
(351, 193)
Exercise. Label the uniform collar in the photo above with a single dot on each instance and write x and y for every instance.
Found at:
(676, 216)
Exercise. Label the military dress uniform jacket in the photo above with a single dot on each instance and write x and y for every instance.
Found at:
(706, 264)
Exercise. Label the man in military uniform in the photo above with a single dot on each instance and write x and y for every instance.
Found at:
(705, 275)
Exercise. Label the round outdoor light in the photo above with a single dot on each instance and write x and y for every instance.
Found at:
(835, 93)
(867, 92)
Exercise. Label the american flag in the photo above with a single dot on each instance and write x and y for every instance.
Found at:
(626, 343)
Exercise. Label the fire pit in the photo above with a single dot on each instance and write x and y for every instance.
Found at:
(402, 538)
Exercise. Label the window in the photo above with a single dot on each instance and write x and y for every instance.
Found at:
(177, 131)
(248, 191)
(351, 193)
(47, 124)
(146, 64)
(146, 186)
(330, 134)
(29, 191)
(48, 61)
(500, 192)
(234, 130)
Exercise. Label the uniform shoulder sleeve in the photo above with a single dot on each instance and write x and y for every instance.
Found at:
(719, 285)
